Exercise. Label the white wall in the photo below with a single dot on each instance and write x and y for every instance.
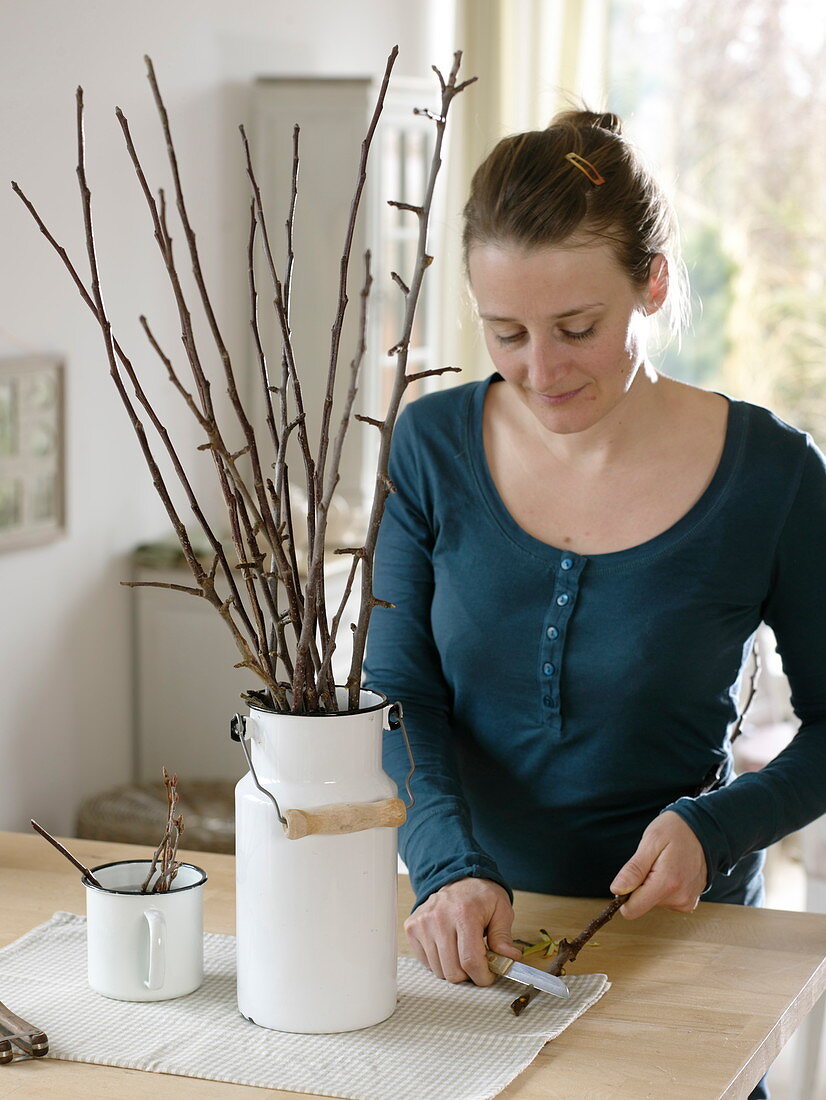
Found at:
(65, 721)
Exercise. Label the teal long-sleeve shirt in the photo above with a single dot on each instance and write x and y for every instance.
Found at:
(557, 702)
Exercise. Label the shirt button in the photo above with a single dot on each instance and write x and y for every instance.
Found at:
(548, 669)
(552, 632)
(547, 700)
(566, 563)
(563, 599)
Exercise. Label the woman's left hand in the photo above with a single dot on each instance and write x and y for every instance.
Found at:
(667, 871)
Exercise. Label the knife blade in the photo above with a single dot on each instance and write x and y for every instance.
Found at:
(527, 975)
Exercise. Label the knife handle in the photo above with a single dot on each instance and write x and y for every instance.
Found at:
(499, 964)
(15, 1029)
(344, 817)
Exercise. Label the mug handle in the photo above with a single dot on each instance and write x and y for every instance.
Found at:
(157, 948)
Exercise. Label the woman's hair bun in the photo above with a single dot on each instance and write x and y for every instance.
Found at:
(586, 120)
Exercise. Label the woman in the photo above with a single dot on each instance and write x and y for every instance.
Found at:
(579, 552)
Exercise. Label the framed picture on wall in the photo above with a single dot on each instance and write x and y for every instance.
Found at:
(32, 495)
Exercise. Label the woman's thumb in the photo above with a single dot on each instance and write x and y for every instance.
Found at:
(629, 877)
(499, 935)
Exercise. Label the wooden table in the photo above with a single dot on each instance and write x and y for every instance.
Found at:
(700, 1004)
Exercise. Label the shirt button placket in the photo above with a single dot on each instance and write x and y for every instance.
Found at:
(566, 585)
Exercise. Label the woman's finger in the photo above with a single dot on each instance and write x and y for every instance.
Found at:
(433, 958)
(471, 950)
(674, 866)
(417, 949)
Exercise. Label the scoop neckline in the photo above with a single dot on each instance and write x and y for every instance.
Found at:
(706, 504)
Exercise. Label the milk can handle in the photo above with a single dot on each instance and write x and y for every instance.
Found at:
(238, 732)
(395, 717)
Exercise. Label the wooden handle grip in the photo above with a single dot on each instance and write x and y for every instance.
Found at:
(344, 817)
(499, 964)
(30, 1039)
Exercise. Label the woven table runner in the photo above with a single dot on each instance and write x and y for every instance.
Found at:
(443, 1040)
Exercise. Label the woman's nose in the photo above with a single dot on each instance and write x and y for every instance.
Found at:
(545, 361)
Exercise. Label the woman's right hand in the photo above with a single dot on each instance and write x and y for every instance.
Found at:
(447, 932)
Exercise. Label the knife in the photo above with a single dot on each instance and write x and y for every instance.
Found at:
(527, 975)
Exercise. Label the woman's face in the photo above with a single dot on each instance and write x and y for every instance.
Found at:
(565, 326)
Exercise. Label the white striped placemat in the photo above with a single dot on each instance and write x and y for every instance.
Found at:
(443, 1040)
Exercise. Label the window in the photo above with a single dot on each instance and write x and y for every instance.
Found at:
(730, 100)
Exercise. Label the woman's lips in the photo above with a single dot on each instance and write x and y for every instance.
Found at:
(558, 398)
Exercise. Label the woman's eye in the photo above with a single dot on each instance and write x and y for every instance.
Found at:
(583, 335)
(510, 338)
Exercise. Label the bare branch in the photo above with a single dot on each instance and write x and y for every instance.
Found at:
(430, 373)
(115, 355)
(428, 114)
(370, 420)
(289, 371)
(314, 595)
(232, 389)
(344, 266)
(358, 553)
(256, 334)
(163, 584)
(399, 281)
(418, 210)
(158, 214)
(449, 90)
(289, 225)
(328, 643)
(240, 506)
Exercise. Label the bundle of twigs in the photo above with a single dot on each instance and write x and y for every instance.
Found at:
(278, 619)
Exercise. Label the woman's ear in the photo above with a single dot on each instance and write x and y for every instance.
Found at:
(656, 287)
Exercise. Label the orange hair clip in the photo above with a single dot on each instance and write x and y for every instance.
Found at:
(586, 168)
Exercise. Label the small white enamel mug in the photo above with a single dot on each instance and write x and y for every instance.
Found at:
(144, 947)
